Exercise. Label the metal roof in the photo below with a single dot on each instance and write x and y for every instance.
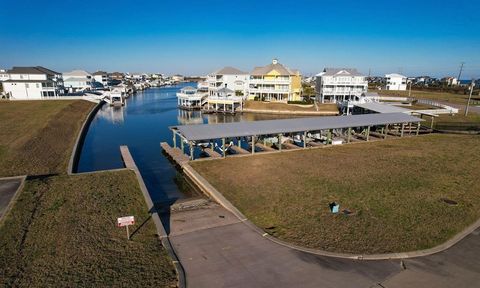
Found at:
(241, 129)
(383, 108)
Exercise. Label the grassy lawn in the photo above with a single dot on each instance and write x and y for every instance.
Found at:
(440, 96)
(393, 189)
(36, 137)
(259, 105)
(62, 232)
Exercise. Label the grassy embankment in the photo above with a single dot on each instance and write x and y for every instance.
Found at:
(61, 229)
(275, 106)
(445, 121)
(393, 188)
(439, 96)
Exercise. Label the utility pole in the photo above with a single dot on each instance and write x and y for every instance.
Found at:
(460, 72)
(469, 97)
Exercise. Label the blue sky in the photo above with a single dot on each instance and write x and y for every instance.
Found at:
(197, 37)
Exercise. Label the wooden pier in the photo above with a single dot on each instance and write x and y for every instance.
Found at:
(239, 150)
(289, 145)
(212, 153)
(264, 147)
(175, 154)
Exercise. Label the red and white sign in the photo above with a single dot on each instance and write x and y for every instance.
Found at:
(125, 221)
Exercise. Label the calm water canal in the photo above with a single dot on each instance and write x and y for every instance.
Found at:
(142, 124)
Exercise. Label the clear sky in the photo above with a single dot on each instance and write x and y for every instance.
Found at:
(196, 37)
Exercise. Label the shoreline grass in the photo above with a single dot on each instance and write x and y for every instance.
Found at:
(61, 229)
(62, 232)
(393, 189)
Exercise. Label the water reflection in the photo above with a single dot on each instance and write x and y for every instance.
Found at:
(114, 115)
(142, 124)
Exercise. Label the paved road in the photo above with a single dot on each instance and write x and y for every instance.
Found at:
(7, 190)
(217, 250)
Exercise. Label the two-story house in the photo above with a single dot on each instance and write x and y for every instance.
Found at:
(395, 82)
(230, 78)
(77, 80)
(340, 84)
(275, 82)
(101, 77)
(29, 83)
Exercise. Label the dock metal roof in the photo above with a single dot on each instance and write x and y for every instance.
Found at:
(266, 127)
(383, 108)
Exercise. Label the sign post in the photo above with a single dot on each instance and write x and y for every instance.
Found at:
(126, 221)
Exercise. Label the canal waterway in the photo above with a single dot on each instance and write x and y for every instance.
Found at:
(142, 124)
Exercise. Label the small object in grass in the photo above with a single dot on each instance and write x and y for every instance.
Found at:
(221, 216)
(346, 212)
(449, 201)
(270, 228)
(334, 207)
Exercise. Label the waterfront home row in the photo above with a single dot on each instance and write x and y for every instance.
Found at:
(273, 82)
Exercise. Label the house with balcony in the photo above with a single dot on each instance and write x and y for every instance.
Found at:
(101, 77)
(275, 82)
(230, 78)
(77, 80)
(395, 82)
(340, 84)
(190, 98)
(32, 83)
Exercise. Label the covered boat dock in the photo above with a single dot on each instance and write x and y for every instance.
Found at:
(276, 135)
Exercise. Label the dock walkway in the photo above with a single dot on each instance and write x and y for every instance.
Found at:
(264, 147)
(239, 150)
(212, 153)
(175, 153)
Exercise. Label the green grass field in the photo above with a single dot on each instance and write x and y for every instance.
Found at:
(259, 105)
(61, 230)
(393, 188)
(440, 96)
(36, 137)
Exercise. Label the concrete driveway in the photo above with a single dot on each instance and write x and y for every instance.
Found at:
(218, 250)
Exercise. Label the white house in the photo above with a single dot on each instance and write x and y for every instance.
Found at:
(77, 80)
(395, 82)
(30, 83)
(228, 77)
(3, 75)
(340, 84)
(101, 77)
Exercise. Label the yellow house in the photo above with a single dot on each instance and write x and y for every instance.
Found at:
(275, 82)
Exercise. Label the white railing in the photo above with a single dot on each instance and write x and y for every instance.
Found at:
(228, 98)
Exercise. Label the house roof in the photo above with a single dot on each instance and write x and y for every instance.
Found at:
(77, 73)
(340, 72)
(225, 90)
(73, 79)
(100, 73)
(230, 71)
(31, 70)
(273, 66)
(295, 125)
(395, 75)
(383, 108)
